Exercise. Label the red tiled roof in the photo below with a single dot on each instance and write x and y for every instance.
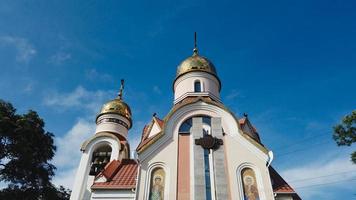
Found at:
(160, 122)
(145, 132)
(110, 169)
(279, 185)
(245, 122)
(123, 175)
(242, 121)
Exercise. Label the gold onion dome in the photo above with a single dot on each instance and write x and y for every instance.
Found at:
(117, 106)
(196, 63)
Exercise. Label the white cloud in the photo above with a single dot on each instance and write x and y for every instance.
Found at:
(25, 50)
(79, 98)
(135, 135)
(68, 151)
(65, 178)
(3, 185)
(60, 57)
(233, 95)
(29, 86)
(157, 90)
(311, 180)
(70, 143)
(134, 141)
(94, 75)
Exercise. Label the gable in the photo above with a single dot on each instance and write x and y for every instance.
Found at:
(155, 129)
(151, 133)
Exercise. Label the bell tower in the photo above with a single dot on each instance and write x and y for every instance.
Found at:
(107, 144)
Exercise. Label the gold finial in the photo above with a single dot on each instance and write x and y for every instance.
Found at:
(121, 89)
(195, 50)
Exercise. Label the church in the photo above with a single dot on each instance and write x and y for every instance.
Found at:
(199, 151)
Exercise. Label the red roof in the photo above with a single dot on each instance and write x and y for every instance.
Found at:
(279, 185)
(242, 121)
(160, 122)
(111, 169)
(123, 175)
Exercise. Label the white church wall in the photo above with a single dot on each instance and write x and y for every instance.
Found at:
(113, 195)
(164, 156)
(185, 85)
(165, 150)
(238, 158)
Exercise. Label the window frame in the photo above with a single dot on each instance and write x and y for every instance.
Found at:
(200, 86)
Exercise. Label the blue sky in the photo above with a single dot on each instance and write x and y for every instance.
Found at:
(291, 65)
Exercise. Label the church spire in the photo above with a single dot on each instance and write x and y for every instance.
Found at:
(119, 96)
(195, 50)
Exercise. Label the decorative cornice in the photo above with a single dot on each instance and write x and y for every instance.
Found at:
(150, 142)
(114, 120)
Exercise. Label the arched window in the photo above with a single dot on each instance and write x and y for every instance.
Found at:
(101, 157)
(187, 124)
(249, 183)
(185, 129)
(197, 86)
(157, 182)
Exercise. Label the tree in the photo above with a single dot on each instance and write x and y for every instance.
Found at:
(345, 133)
(26, 150)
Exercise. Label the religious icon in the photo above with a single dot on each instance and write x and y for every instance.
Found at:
(250, 185)
(157, 185)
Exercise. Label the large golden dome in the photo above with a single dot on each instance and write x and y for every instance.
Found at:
(196, 63)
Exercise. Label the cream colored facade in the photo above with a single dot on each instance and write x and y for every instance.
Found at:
(201, 149)
(239, 152)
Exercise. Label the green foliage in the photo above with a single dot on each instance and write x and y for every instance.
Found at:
(345, 133)
(26, 150)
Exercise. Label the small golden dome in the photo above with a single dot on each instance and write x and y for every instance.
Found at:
(196, 63)
(117, 106)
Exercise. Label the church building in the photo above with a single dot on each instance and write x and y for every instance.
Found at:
(199, 151)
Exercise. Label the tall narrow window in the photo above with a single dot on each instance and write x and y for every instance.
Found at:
(157, 184)
(207, 174)
(197, 86)
(249, 184)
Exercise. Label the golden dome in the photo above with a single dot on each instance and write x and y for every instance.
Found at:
(196, 63)
(116, 106)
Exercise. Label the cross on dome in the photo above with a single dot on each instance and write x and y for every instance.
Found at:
(195, 50)
(119, 96)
